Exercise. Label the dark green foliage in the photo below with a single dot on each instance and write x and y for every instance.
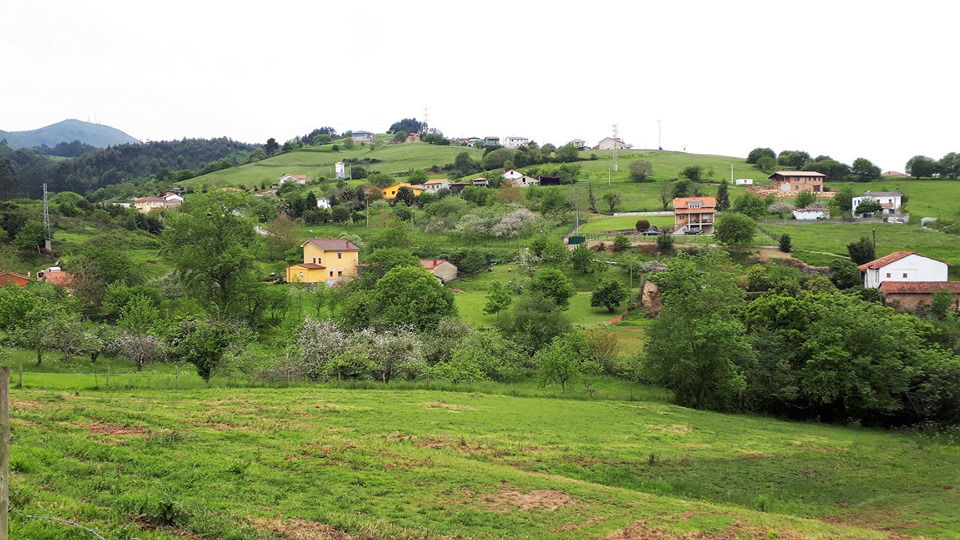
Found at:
(922, 166)
(533, 322)
(805, 198)
(868, 206)
(582, 258)
(271, 147)
(793, 158)
(758, 153)
(610, 293)
(621, 243)
(357, 172)
(750, 205)
(665, 241)
(9, 184)
(735, 229)
(844, 274)
(553, 284)
(641, 170)
(642, 225)
(204, 343)
(692, 173)
(408, 295)
(723, 196)
(499, 298)
(863, 170)
(766, 164)
(862, 251)
(406, 125)
(785, 245)
(382, 260)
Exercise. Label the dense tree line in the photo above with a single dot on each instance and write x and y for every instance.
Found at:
(922, 166)
(170, 160)
(862, 169)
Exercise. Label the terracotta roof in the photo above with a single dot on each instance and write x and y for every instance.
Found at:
(798, 173)
(918, 287)
(885, 260)
(312, 266)
(295, 176)
(436, 181)
(149, 199)
(430, 264)
(59, 278)
(331, 244)
(707, 203)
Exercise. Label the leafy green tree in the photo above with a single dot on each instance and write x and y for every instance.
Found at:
(844, 274)
(139, 316)
(642, 225)
(750, 205)
(641, 170)
(805, 198)
(406, 125)
(793, 158)
(213, 249)
(766, 164)
(863, 170)
(384, 259)
(692, 173)
(621, 243)
(612, 200)
(948, 166)
(568, 153)
(582, 259)
(786, 245)
(204, 344)
(697, 347)
(832, 169)
(758, 153)
(610, 293)
(553, 284)
(922, 166)
(735, 229)
(271, 147)
(558, 363)
(497, 159)
(31, 236)
(533, 321)
(843, 200)
(862, 251)
(100, 263)
(723, 196)
(412, 296)
(555, 252)
(687, 188)
(868, 206)
(499, 298)
(64, 331)
(665, 241)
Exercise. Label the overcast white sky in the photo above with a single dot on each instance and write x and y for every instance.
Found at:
(877, 79)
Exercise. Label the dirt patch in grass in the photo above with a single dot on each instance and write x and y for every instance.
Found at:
(469, 448)
(117, 430)
(887, 520)
(513, 499)
(642, 530)
(26, 405)
(445, 405)
(302, 529)
(676, 429)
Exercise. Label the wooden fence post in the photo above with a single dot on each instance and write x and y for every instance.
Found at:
(4, 451)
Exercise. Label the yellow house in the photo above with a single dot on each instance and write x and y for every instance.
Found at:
(325, 260)
(390, 192)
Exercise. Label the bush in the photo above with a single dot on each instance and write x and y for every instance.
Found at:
(735, 229)
(609, 293)
(785, 245)
(641, 170)
(664, 241)
(621, 243)
(642, 225)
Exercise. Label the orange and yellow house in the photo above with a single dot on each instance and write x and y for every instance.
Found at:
(325, 260)
(390, 192)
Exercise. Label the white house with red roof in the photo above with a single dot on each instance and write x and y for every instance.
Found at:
(443, 269)
(890, 201)
(902, 266)
(295, 178)
(436, 184)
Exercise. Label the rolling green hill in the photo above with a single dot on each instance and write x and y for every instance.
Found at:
(68, 131)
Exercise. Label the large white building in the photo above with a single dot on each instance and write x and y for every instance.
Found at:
(810, 214)
(902, 266)
(889, 200)
(340, 170)
(609, 143)
(515, 142)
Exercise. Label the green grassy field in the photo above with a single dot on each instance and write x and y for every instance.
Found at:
(925, 198)
(833, 238)
(620, 223)
(278, 463)
(318, 162)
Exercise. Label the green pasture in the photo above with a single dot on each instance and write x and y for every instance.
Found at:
(620, 223)
(271, 463)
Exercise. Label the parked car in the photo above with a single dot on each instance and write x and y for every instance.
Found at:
(651, 233)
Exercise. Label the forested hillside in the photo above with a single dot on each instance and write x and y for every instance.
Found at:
(23, 171)
(71, 130)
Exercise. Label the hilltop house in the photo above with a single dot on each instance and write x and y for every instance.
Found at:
(911, 295)
(480, 181)
(515, 142)
(491, 141)
(797, 181)
(890, 201)
(444, 270)
(518, 179)
(901, 266)
(580, 144)
(436, 184)
(362, 136)
(329, 260)
(172, 197)
(694, 214)
(473, 141)
(295, 178)
(390, 192)
(609, 143)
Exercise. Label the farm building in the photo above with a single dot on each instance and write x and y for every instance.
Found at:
(912, 295)
(902, 266)
(797, 181)
(328, 260)
(744, 181)
(515, 142)
(362, 136)
(491, 141)
(295, 178)
(148, 204)
(694, 214)
(436, 184)
(809, 214)
(609, 143)
(7, 278)
(444, 270)
(390, 192)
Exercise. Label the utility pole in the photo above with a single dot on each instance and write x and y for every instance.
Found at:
(47, 238)
(731, 173)
(616, 147)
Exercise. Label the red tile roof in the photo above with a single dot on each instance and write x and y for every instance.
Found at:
(706, 204)
(332, 244)
(430, 264)
(798, 173)
(885, 260)
(436, 181)
(918, 287)
(14, 277)
(311, 266)
(59, 278)
(149, 199)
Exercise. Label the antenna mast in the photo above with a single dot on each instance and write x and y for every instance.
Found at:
(616, 146)
(47, 240)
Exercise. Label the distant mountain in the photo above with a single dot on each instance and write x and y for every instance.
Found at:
(68, 131)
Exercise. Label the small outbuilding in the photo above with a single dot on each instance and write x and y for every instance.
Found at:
(811, 214)
(443, 269)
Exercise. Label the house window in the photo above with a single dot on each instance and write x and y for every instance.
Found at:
(904, 274)
(888, 274)
(339, 272)
(693, 204)
(331, 273)
(301, 275)
(339, 255)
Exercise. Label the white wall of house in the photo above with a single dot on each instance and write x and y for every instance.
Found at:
(744, 181)
(893, 200)
(515, 142)
(807, 214)
(910, 268)
(512, 174)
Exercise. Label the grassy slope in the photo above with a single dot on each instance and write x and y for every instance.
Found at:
(399, 464)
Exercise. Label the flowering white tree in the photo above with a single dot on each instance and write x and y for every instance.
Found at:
(317, 343)
(140, 349)
(393, 353)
